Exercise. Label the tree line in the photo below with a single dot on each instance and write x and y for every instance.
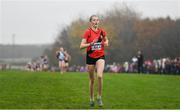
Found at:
(127, 33)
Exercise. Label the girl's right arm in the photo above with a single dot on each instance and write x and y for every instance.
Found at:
(84, 43)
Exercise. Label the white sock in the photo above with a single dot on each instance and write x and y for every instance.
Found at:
(91, 99)
(99, 97)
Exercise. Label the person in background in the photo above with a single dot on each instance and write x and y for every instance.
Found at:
(140, 60)
(66, 60)
(61, 59)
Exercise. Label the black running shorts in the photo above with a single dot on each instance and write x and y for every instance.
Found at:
(92, 61)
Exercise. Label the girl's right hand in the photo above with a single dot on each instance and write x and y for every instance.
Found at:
(94, 41)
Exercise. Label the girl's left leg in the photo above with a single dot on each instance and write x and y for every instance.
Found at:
(100, 68)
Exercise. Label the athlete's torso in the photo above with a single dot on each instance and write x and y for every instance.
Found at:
(61, 55)
(96, 50)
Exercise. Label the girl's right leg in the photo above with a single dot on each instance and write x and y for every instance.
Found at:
(91, 69)
(61, 66)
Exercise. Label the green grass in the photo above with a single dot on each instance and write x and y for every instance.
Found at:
(47, 90)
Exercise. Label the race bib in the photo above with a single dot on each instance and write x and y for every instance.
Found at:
(96, 46)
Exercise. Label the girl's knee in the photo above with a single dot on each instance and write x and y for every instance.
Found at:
(100, 75)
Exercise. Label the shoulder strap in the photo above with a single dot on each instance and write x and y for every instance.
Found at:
(102, 33)
(100, 36)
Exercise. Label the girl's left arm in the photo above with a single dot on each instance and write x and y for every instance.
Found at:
(106, 41)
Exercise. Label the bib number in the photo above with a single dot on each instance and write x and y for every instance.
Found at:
(96, 46)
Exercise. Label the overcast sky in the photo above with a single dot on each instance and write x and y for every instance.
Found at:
(38, 21)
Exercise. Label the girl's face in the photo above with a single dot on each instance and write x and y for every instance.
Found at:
(61, 49)
(95, 22)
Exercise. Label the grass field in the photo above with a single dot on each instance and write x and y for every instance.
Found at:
(45, 90)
